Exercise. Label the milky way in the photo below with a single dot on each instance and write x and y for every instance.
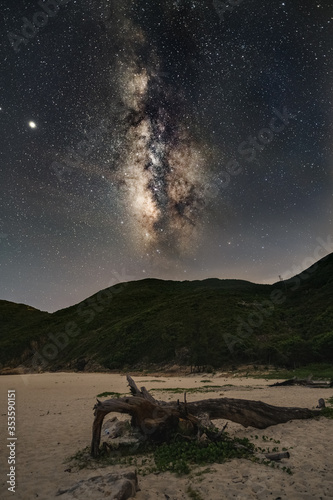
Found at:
(162, 169)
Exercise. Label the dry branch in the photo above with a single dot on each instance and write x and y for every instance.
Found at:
(277, 456)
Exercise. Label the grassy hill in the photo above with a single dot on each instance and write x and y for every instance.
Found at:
(211, 322)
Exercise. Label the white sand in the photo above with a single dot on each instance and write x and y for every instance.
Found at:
(54, 418)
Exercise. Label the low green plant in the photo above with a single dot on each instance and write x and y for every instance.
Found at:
(270, 463)
(327, 412)
(266, 438)
(178, 456)
(193, 494)
(317, 370)
(189, 390)
(81, 459)
(106, 394)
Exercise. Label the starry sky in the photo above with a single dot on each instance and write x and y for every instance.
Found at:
(174, 139)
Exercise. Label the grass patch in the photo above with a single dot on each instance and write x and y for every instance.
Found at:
(138, 454)
(82, 460)
(154, 380)
(179, 456)
(106, 394)
(330, 401)
(317, 370)
(189, 390)
(327, 412)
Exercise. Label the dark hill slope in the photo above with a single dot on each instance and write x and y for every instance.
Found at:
(16, 321)
(13, 316)
(209, 322)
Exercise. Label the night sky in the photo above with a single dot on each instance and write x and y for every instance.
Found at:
(176, 139)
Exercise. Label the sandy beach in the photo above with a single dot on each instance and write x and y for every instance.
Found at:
(54, 415)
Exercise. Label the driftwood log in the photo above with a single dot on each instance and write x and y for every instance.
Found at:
(157, 420)
(308, 382)
(277, 456)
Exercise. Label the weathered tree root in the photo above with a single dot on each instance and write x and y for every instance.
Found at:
(158, 420)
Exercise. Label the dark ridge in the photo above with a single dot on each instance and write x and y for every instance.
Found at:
(200, 323)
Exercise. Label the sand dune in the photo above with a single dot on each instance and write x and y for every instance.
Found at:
(54, 417)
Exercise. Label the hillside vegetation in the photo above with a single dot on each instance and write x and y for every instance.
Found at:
(200, 323)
